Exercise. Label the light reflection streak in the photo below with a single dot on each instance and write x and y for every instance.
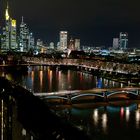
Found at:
(2, 123)
(68, 77)
(104, 122)
(138, 106)
(32, 77)
(113, 83)
(81, 77)
(59, 79)
(3, 74)
(122, 112)
(121, 85)
(50, 79)
(95, 116)
(137, 115)
(41, 78)
(127, 113)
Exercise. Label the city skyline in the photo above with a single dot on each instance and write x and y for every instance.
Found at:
(94, 22)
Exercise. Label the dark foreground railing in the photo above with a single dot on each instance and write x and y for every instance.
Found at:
(36, 117)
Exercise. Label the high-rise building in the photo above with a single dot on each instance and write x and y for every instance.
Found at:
(3, 39)
(77, 44)
(51, 46)
(31, 41)
(7, 29)
(71, 44)
(9, 36)
(115, 43)
(13, 35)
(63, 40)
(24, 36)
(123, 40)
(39, 44)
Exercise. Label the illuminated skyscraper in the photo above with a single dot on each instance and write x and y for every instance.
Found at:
(39, 44)
(24, 36)
(77, 44)
(7, 29)
(13, 35)
(3, 39)
(31, 41)
(71, 44)
(123, 40)
(63, 40)
(9, 39)
(115, 43)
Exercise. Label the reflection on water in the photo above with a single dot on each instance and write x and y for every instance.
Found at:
(95, 117)
(2, 123)
(127, 114)
(137, 118)
(103, 123)
(43, 79)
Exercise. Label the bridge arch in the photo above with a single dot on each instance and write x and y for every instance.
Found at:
(89, 94)
(122, 92)
(55, 97)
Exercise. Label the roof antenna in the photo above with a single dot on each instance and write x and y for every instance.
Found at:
(22, 19)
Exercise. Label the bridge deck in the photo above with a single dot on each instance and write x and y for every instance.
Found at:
(91, 91)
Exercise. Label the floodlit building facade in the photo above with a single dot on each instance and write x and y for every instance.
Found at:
(13, 35)
(123, 41)
(77, 44)
(63, 40)
(9, 35)
(115, 43)
(24, 36)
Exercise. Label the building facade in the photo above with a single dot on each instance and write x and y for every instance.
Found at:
(9, 35)
(115, 43)
(24, 36)
(77, 44)
(13, 35)
(31, 41)
(123, 40)
(63, 40)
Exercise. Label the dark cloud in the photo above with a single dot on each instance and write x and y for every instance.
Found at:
(91, 20)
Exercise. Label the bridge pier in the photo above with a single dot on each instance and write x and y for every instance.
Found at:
(105, 96)
(137, 92)
(69, 99)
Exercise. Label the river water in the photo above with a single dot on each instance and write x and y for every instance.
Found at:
(43, 79)
(114, 121)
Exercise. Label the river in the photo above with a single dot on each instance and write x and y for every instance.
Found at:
(43, 79)
(114, 121)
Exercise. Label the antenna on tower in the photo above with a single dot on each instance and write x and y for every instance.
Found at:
(22, 19)
(7, 12)
(7, 5)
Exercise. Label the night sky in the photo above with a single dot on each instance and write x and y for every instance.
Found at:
(95, 22)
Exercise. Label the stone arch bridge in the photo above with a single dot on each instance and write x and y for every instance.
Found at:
(97, 94)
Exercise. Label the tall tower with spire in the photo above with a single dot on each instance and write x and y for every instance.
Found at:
(7, 17)
(24, 36)
(7, 28)
(9, 39)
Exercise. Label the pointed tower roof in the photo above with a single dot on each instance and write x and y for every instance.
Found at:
(22, 19)
(7, 12)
